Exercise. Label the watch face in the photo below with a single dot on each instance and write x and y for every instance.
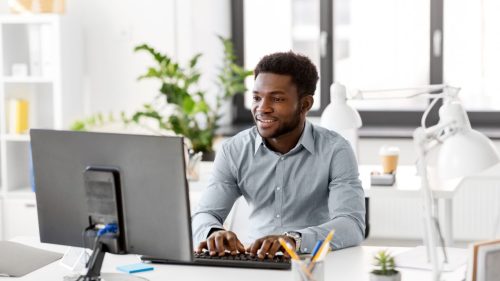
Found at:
(296, 236)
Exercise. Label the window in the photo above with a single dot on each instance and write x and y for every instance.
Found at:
(384, 44)
(262, 27)
(472, 52)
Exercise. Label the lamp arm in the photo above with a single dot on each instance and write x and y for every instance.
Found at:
(430, 137)
(419, 91)
(426, 139)
(428, 110)
(446, 91)
(421, 141)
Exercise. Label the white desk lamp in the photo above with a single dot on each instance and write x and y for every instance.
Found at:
(340, 117)
(463, 152)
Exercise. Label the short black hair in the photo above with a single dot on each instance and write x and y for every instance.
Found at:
(299, 67)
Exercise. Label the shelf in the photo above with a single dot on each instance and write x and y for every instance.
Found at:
(27, 79)
(20, 138)
(24, 192)
(23, 19)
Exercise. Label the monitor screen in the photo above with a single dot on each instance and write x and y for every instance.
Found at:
(154, 192)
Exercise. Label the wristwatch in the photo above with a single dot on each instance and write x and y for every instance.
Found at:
(297, 237)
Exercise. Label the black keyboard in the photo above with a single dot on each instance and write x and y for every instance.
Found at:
(228, 260)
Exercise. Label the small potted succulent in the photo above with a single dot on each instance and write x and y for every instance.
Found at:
(386, 268)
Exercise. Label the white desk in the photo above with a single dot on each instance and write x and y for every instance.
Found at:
(351, 264)
(407, 185)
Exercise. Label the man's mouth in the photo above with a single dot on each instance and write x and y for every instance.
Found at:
(265, 122)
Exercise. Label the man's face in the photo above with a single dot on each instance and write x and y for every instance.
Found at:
(276, 105)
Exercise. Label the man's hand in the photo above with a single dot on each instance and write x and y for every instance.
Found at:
(269, 245)
(220, 241)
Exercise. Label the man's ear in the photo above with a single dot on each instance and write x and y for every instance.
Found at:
(306, 103)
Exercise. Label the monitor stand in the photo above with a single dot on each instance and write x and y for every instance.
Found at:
(94, 269)
(108, 277)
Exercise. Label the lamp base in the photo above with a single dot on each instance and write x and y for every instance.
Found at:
(417, 258)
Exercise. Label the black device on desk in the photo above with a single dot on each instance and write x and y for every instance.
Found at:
(153, 193)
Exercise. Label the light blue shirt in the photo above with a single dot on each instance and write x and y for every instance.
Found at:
(312, 189)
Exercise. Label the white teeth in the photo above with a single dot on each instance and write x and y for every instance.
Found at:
(266, 121)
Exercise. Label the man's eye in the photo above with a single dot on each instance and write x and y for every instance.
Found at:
(278, 99)
(256, 98)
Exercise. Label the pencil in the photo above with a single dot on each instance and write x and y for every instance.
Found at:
(291, 252)
(295, 257)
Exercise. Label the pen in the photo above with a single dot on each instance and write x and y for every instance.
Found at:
(316, 248)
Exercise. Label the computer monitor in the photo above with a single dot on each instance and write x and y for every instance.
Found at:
(150, 174)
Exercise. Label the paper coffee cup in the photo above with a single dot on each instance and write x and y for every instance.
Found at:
(389, 157)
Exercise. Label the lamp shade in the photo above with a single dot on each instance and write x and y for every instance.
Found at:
(466, 153)
(338, 115)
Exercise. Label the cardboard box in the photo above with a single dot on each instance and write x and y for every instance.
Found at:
(36, 6)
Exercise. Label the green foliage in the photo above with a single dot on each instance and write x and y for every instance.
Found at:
(192, 116)
(95, 120)
(386, 264)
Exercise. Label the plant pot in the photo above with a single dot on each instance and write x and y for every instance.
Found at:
(395, 277)
(208, 156)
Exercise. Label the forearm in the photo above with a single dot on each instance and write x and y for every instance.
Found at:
(349, 232)
(202, 223)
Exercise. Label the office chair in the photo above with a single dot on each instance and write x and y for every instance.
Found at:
(237, 220)
(367, 216)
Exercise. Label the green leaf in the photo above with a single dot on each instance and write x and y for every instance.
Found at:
(156, 55)
(188, 105)
(175, 94)
(152, 73)
(78, 126)
(194, 60)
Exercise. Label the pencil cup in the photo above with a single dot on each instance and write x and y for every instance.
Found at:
(304, 270)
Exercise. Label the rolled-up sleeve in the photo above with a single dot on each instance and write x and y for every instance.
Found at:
(345, 203)
(217, 199)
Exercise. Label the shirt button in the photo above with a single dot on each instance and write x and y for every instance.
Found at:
(282, 158)
(278, 188)
(278, 215)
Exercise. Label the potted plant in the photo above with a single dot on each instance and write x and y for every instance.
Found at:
(180, 105)
(190, 114)
(386, 268)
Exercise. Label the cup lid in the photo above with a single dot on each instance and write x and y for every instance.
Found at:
(389, 150)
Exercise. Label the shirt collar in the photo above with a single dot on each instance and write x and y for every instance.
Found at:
(306, 139)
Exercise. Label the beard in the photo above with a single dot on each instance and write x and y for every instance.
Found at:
(284, 128)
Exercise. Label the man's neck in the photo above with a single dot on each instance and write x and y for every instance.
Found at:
(286, 142)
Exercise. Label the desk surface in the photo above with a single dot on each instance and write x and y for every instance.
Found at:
(352, 264)
(407, 182)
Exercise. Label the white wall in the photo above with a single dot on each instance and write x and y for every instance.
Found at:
(112, 28)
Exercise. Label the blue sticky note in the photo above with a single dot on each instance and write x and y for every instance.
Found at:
(134, 268)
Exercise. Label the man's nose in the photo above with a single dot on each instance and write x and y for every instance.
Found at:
(264, 106)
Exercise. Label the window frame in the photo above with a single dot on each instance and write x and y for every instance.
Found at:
(372, 119)
(242, 115)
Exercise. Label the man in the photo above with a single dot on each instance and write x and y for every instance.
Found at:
(300, 180)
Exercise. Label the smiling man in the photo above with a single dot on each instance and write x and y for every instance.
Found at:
(300, 180)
